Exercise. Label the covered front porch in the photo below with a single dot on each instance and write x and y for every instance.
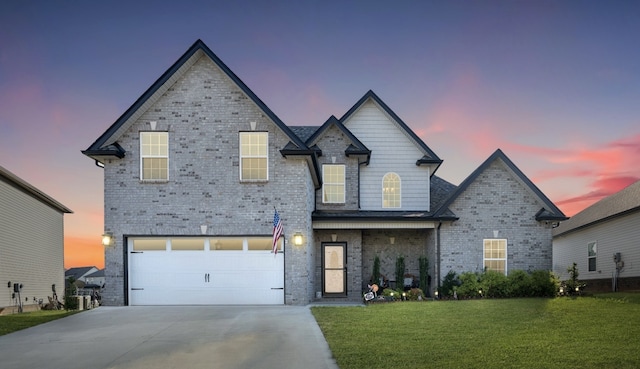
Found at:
(345, 251)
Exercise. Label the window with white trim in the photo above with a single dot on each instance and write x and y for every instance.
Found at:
(333, 179)
(592, 250)
(495, 255)
(254, 156)
(391, 191)
(154, 156)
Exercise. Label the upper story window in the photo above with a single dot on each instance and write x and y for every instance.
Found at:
(592, 249)
(391, 191)
(253, 156)
(154, 156)
(333, 179)
(495, 255)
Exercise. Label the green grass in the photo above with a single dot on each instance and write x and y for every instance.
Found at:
(584, 332)
(16, 322)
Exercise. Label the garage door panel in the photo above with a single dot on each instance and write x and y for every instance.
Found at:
(206, 277)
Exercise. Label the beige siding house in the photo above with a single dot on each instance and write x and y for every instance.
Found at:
(32, 244)
(604, 241)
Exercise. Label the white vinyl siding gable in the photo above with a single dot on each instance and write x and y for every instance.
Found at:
(391, 151)
(620, 234)
(31, 246)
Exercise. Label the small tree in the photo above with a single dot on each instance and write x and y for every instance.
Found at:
(449, 284)
(399, 271)
(376, 270)
(573, 284)
(424, 273)
(70, 301)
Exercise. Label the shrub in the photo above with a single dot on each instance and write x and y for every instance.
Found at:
(400, 270)
(376, 270)
(539, 283)
(391, 294)
(521, 283)
(469, 285)
(424, 276)
(494, 284)
(415, 294)
(449, 284)
(544, 283)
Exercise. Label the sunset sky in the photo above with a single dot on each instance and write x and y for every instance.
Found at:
(554, 84)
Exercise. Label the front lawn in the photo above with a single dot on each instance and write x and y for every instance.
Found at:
(583, 332)
(16, 322)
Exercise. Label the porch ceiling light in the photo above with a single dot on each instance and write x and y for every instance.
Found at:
(298, 239)
(107, 239)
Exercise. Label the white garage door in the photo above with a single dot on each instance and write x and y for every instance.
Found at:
(205, 271)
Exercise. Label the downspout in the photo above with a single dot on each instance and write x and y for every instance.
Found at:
(438, 255)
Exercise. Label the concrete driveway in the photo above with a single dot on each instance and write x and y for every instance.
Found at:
(182, 337)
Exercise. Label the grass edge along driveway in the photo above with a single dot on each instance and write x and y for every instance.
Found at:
(583, 332)
(15, 322)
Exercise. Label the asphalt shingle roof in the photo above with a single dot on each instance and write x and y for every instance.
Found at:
(623, 202)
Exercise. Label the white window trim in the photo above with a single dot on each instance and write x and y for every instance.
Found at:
(142, 179)
(399, 188)
(506, 253)
(595, 257)
(240, 157)
(344, 184)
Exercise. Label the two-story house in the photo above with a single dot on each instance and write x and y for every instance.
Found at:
(196, 168)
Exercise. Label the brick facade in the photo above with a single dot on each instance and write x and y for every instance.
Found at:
(203, 107)
(496, 201)
(203, 113)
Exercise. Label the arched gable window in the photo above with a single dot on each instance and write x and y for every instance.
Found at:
(391, 191)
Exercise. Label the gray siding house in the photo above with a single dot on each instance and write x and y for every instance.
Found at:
(604, 242)
(198, 167)
(31, 244)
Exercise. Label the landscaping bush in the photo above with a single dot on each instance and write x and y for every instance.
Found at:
(520, 283)
(539, 283)
(423, 263)
(449, 284)
(391, 294)
(399, 270)
(544, 283)
(376, 270)
(469, 285)
(494, 284)
(415, 294)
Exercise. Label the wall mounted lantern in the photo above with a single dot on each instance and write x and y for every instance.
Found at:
(298, 239)
(107, 239)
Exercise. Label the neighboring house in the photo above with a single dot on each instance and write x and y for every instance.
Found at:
(95, 279)
(604, 242)
(195, 168)
(80, 273)
(31, 245)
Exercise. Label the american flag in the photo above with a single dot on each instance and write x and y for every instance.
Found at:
(277, 231)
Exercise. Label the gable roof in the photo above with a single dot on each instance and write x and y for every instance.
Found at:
(429, 158)
(106, 144)
(355, 148)
(24, 186)
(620, 203)
(548, 212)
(79, 272)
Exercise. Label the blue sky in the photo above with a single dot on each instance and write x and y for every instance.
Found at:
(554, 84)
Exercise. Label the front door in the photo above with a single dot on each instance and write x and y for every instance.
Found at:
(334, 269)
